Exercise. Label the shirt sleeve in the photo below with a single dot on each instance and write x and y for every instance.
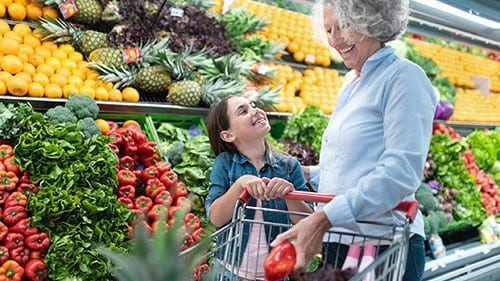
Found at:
(219, 182)
(314, 177)
(408, 109)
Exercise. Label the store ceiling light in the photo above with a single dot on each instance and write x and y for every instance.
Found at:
(450, 10)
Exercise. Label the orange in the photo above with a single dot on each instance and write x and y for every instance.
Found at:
(6, 3)
(33, 11)
(59, 79)
(43, 51)
(16, 11)
(53, 91)
(24, 57)
(49, 12)
(13, 35)
(41, 78)
(36, 90)
(92, 75)
(2, 10)
(64, 71)
(22, 29)
(24, 76)
(54, 62)
(76, 56)
(131, 122)
(101, 93)
(4, 27)
(3, 88)
(23, 48)
(298, 56)
(36, 60)
(75, 80)
(4, 76)
(103, 125)
(45, 69)
(31, 40)
(59, 54)
(66, 48)
(70, 90)
(130, 94)
(9, 46)
(115, 95)
(68, 63)
(17, 86)
(11, 64)
(88, 90)
(51, 45)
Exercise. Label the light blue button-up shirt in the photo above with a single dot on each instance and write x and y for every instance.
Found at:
(375, 145)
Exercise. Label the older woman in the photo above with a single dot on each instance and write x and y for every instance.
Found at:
(375, 146)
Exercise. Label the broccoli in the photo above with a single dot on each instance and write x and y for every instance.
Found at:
(82, 106)
(88, 127)
(60, 115)
(174, 152)
(427, 202)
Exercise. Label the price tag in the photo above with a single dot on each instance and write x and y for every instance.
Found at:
(260, 68)
(131, 55)
(68, 8)
(176, 12)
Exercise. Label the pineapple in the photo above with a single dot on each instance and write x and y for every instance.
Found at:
(157, 257)
(109, 56)
(89, 12)
(60, 31)
(185, 93)
(152, 80)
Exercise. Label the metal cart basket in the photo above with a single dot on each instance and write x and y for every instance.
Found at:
(388, 264)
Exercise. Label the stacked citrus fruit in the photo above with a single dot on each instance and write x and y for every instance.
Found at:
(293, 28)
(460, 66)
(19, 10)
(30, 67)
(473, 106)
(317, 86)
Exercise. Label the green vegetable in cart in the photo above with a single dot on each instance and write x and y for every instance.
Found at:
(82, 106)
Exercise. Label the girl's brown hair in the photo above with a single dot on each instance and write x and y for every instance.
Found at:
(218, 121)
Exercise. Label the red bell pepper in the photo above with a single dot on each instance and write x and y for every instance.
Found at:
(138, 135)
(280, 261)
(112, 126)
(14, 240)
(4, 254)
(187, 242)
(35, 255)
(163, 166)
(38, 242)
(143, 203)
(192, 222)
(150, 172)
(126, 163)
(3, 231)
(36, 270)
(156, 212)
(127, 201)
(138, 180)
(11, 271)
(115, 148)
(16, 198)
(155, 225)
(3, 197)
(11, 165)
(153, 187)
(199, 234)
(14, 214)
(126, 191)
(163, 198)
(180, 189)
(25, 177)
(8, 181)
(202, 271)
(172, 210)
(27, 188)
(24, 227)
(169, 178)
(6, 151)
(147, 149)
(126, 177)
(130, 148)
(184, 202)
(2, 167)
(20, 254)
(115, 138)
(151, 160)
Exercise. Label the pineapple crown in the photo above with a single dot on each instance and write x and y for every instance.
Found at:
(228, 68)
(59, 31)
(214, 91)
(181, 66)
(121, 77)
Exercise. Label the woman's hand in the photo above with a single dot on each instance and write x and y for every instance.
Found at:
(277, 188)
(307, 236)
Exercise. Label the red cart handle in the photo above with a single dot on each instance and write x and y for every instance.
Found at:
(409, 207)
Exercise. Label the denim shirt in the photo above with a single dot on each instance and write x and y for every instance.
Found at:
(228, 167)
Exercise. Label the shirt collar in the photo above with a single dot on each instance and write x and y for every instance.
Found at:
(240, 158)
(374, 60)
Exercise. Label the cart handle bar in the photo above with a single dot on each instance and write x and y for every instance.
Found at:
(409, 207)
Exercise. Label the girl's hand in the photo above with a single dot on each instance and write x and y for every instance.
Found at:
(256, 186)
(277, 188)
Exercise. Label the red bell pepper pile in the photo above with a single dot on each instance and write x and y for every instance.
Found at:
(489, 189)
(22, 244)
(150, 188)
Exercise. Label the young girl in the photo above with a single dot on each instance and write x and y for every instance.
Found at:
(237, 131)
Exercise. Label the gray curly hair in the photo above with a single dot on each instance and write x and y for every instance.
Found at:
(384, 20)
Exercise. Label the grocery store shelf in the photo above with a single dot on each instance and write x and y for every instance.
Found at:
(473, 261)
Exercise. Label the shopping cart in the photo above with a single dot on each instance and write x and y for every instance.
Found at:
(388, 264)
